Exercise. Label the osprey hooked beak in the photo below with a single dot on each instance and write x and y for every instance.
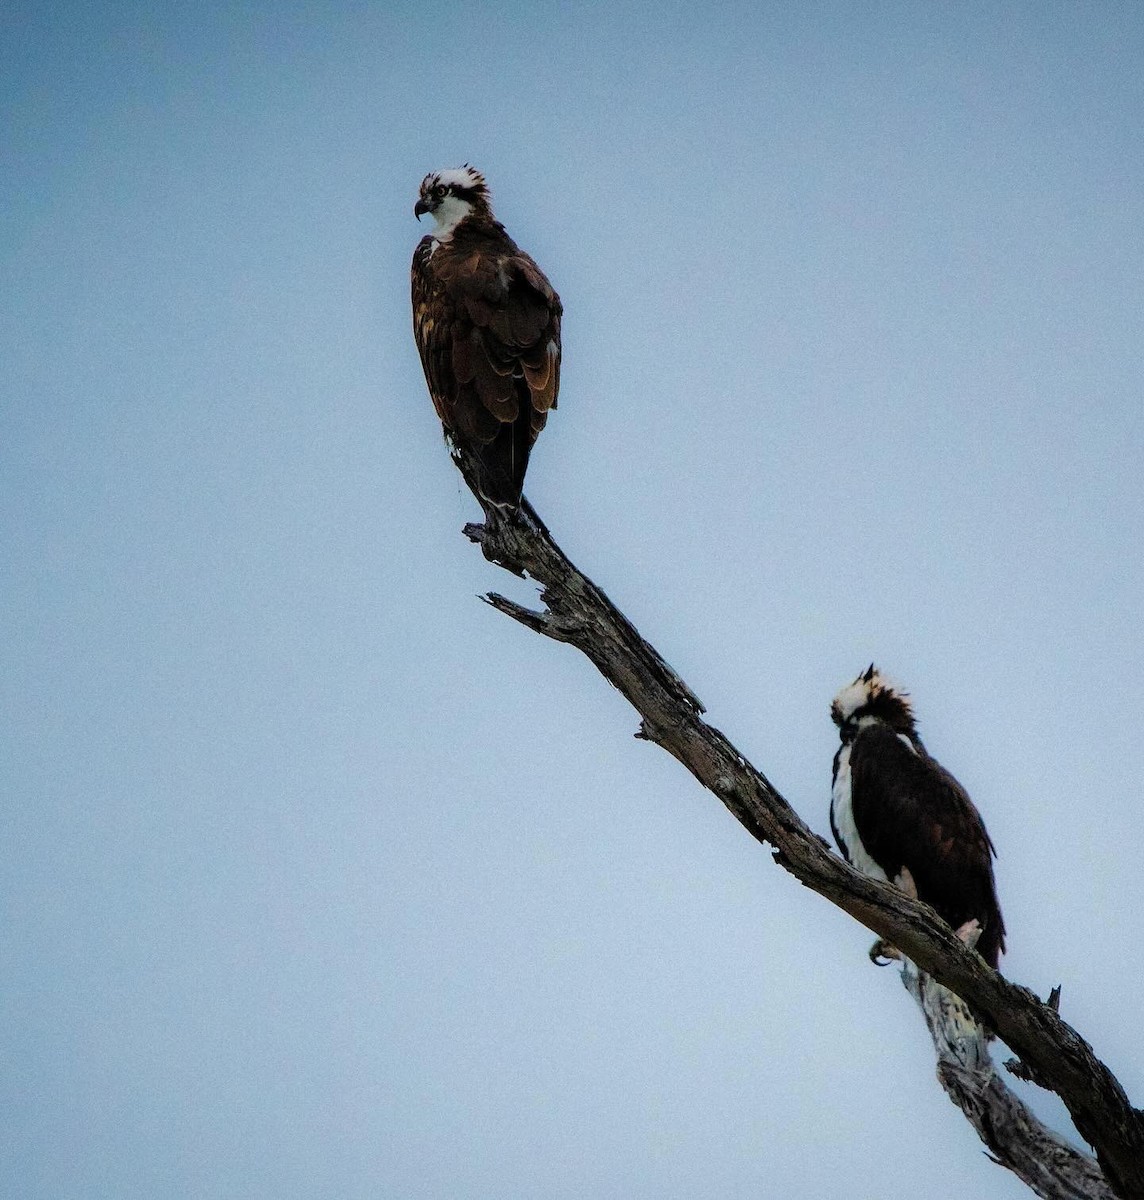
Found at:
(421, 208)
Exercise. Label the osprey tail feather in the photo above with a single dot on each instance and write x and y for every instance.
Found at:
(503, 463)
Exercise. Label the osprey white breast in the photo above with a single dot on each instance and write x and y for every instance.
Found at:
(842, 819)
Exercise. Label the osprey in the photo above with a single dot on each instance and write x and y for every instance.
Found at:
(487, 325)
(899, 815)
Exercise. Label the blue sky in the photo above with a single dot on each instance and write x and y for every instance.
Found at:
(322, 878)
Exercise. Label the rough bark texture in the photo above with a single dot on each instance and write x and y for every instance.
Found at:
(1052, 1053)
(1015, 1138)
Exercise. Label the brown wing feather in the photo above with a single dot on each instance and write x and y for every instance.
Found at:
(432, 331)
(910, 812)
(487, 325)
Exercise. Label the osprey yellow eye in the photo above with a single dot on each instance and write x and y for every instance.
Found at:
(439, 191)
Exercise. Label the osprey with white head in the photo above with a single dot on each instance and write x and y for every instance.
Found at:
(487, 326)
(898, 814)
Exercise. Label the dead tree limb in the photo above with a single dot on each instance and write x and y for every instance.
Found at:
(1052, 1053)
(1014, 1136)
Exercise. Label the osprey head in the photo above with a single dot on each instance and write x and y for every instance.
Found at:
(450, 196)
(871, 697)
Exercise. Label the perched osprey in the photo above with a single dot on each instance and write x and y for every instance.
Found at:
(897, 813)
(487, 324)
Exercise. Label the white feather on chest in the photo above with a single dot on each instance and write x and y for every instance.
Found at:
(842, 815)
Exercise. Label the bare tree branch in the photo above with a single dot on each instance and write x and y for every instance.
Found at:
(1015, 1137)
(1052, 1053)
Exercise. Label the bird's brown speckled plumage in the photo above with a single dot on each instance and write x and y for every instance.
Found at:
(487, 326)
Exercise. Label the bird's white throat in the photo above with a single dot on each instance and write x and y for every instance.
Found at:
(448, 215)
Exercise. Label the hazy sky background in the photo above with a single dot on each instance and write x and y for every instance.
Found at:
(322, 879)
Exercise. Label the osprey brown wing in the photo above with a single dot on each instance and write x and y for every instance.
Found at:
(487, 324)
(433, 325)
(911, 812)
(507, 329)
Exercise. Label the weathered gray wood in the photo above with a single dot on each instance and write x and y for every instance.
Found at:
(1052, 1053)
(1015, 1137)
